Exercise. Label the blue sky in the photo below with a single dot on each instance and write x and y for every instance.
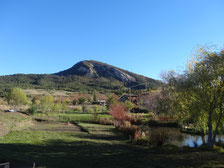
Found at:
(142, 36)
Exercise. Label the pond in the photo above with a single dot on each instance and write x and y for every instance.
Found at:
(168, 135)
(196, 140)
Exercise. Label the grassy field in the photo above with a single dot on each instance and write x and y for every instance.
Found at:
(60, 144)
(13, 121)
(87, 118)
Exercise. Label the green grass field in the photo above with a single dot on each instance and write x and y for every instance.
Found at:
(55, 144)
(87, 118)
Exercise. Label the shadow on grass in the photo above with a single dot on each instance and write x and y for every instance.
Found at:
(85, 154)
(66, 154)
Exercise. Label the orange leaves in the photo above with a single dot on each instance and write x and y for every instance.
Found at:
(120, 113)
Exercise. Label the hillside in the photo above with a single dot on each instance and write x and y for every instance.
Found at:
(83, 76)
(95, 69)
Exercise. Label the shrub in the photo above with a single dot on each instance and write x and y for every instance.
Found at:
(95, 114)
(82, 100)
(94, 96)
(33, 109)
(163, 118)
(78, 109)
(35, 100)
(96, 108)
(84, 109)
(46, 103)
(112, 101)
(120, 114)
(128, 129)
(17, 97)
(74, 101)
(219, 148)
(95, 117)
(160, 137)
(3, 102)
(57, 107)
(106, 121)
(136, 119)
(64, 106)
(129, 105)
(140, 137)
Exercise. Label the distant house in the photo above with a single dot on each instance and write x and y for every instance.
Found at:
(101, 102)
(131, 98)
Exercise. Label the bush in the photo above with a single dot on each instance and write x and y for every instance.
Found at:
(74, 102)
(136, 119)
(82, 100)
(56, 107)
(17, 97)
(140, 137)
(3, 102)
(64, 107)
(95, 114)
(46, 103)
(95, 117)
(78, 109)
(163, 118)
(33, 109)
(219, 148)
(84, 109)
(129, 105)
(129, 129)
(159, 137)
(106, 121)
(120, 114)
(112, 101)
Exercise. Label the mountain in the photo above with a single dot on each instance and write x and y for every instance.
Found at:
(95, 69)
(84, 76)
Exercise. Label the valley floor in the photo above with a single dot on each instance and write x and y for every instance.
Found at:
(53, 144)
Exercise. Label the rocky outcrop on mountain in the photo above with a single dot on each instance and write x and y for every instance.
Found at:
(95, 69)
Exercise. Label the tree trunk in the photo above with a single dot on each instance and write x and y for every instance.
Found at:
(218, 123)
(203, 139)
(210, 139)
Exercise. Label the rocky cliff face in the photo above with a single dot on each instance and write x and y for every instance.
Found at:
(96, 69)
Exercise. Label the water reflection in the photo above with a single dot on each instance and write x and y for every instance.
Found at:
(167, 135)
(196, 140)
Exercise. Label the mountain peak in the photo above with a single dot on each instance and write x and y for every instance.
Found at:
(96, 69)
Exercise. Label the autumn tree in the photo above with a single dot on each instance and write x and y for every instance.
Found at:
(199, 91)
(120, 114)
(17, 97)
(46, 103)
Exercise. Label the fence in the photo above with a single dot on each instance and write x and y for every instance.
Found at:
(4, 165)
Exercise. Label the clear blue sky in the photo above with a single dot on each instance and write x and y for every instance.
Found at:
(142, 36)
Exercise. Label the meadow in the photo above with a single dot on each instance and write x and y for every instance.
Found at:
(51, 141)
